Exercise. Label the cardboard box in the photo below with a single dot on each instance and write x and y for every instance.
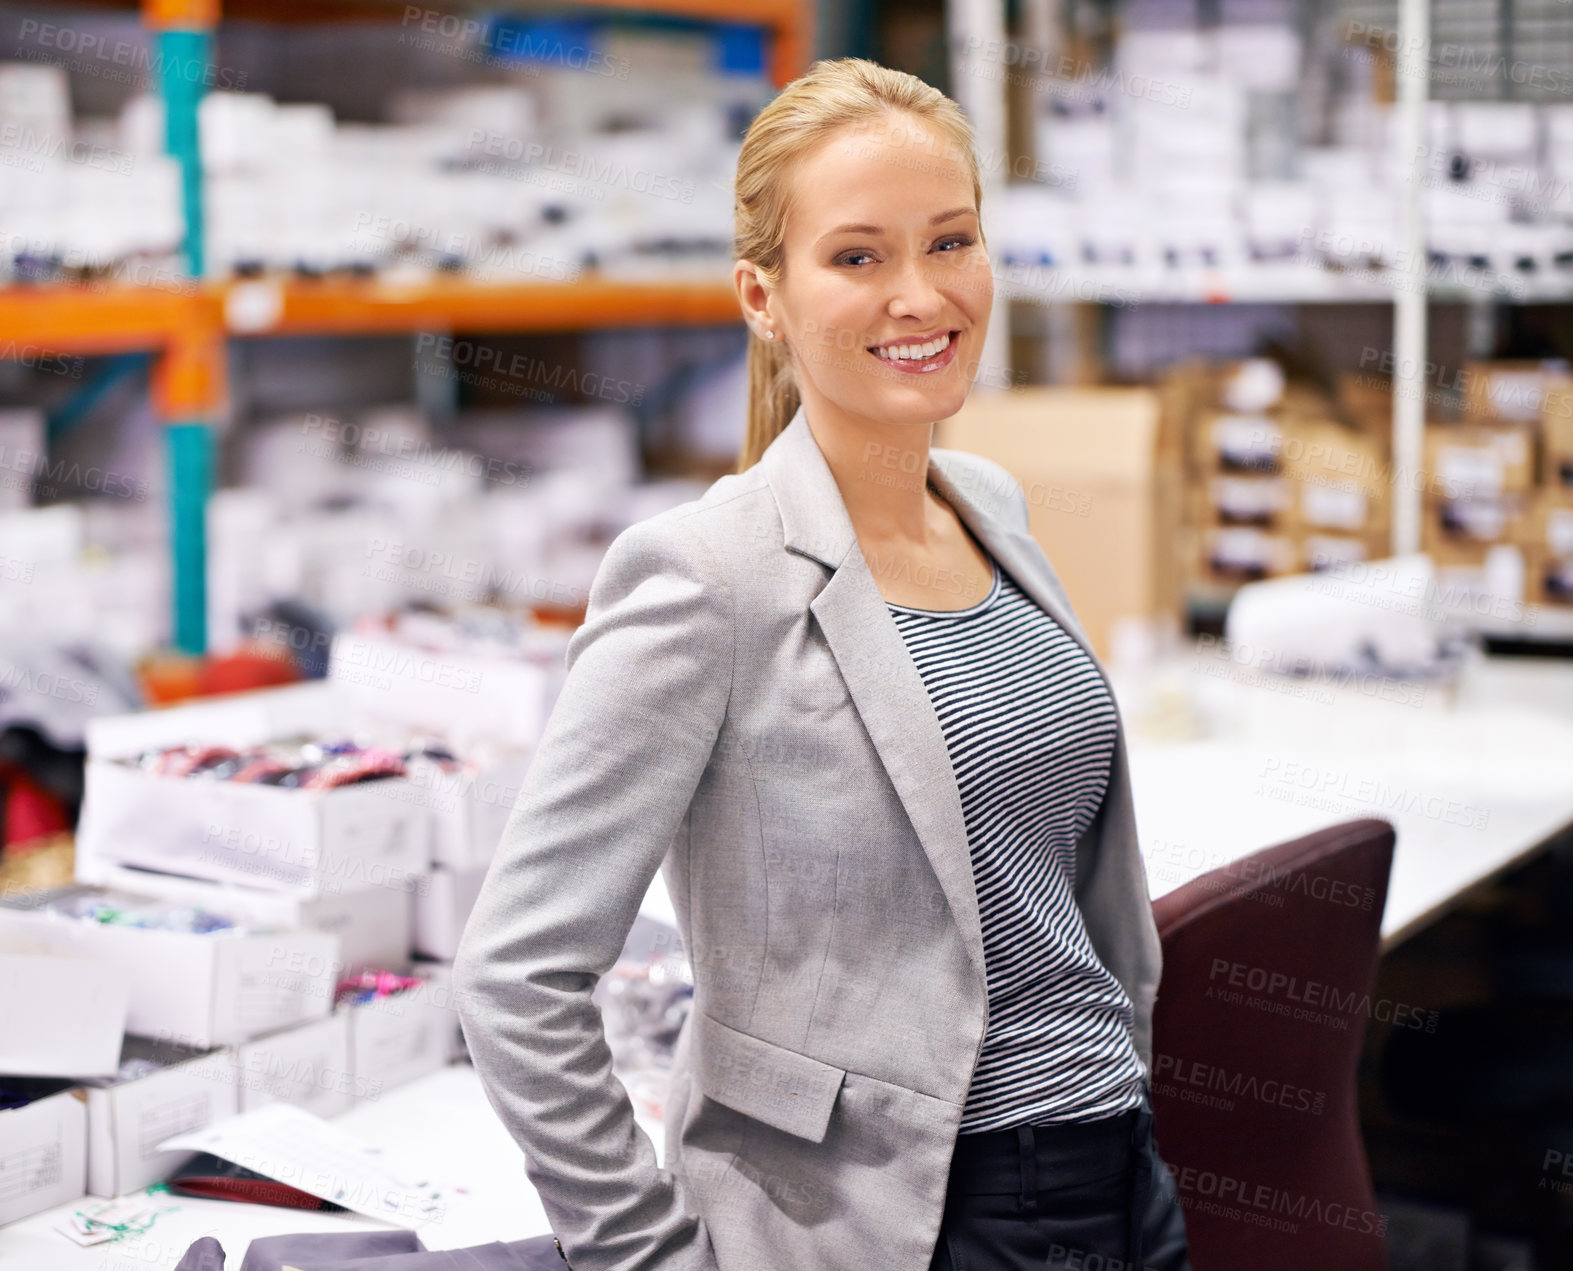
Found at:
(1550, 524)
(1317, 551)
(303, 842)
(127, 1119)
(64, 1015)
(1234, 442)
(1483, 521)
(1556, 432)
(1509, 390)
(1474, 460)
(1548, 577)
(1244, 499)
(307, 1065)
(443, 907)
(1231, 555)
(399, 1038)
(375, 926)
(43, 1153)
(203, 990)
(1365, 400)
(1102, 506)
(1478, 578)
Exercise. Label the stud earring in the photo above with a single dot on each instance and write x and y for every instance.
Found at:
(770, 335)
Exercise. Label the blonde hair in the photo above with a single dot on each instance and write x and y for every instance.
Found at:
(831, 95)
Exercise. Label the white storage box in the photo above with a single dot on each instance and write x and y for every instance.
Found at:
(443, 907)
(63, 1016)
(442, 1001)
(462, 696)
(469, 809)
(371, 834)
(43, 1154)
(200, 989)
(396, 1039)
(375, 925)
(127, 1119)
(308, 1066)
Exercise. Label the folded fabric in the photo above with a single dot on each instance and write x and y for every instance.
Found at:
(374, 1251)
(536, 1254)
(309, 1250)
(205, 1254)
(217, 1179)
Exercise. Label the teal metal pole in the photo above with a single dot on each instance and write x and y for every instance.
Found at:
(183, 59)
(190, 448)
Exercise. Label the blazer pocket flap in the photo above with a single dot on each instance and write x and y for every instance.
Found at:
(767, 1082)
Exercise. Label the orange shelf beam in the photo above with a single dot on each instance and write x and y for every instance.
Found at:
(371, 306)
(84, 319)
(74, 319)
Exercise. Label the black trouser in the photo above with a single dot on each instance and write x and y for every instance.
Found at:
(1078, 1196)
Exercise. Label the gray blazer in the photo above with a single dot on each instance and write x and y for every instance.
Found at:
(741, 712)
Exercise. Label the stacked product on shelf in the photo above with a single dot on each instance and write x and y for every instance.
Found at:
(361, 515)
(536, 172)
(1198, 148)
(1549, 564)
(1478, 475)
(500, 183)
(1276, 484)
(76, 201)
(1528, 406)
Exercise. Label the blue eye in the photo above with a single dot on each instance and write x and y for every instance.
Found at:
(961, 240)
(844, 259)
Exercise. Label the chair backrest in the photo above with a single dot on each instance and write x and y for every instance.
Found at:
(1261, 1014)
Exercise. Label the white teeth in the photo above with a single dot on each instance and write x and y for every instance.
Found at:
(914, 352)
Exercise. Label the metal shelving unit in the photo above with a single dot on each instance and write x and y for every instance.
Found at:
(187, 330)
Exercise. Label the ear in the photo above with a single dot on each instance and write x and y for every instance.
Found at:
(752, 295)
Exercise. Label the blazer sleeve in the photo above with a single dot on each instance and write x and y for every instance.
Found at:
(649, 677)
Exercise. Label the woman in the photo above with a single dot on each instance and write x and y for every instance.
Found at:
(842, 702)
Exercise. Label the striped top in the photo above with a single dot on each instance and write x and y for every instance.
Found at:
(1030, 728)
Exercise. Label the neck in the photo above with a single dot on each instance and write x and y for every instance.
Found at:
(881, 470)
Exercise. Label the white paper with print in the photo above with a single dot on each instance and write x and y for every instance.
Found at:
(291, 1145)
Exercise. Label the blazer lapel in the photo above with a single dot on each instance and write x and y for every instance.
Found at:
(884, 684)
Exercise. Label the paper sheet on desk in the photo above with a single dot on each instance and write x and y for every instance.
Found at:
(292, 1146)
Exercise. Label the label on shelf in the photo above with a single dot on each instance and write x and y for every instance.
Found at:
(256, 305)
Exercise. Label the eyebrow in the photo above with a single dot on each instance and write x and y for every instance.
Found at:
(875, 229)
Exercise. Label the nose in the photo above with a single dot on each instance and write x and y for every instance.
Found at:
(914, 294)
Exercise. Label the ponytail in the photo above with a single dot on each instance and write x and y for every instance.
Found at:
(772, 398)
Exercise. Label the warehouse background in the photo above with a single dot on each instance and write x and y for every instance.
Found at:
(338, 339)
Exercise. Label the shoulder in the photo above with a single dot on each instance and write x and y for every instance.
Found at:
(700, 539)
(989, 484)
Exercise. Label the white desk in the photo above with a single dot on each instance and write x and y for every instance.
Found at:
(1475, 776)
(442, 1121)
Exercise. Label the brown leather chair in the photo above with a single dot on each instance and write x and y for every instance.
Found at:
(1268, 967)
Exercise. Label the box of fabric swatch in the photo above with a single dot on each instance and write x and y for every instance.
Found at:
(375, 925)
(271, 790)
(43, 1146)
(399, 1030)
(162, 1088)
(307, 1065)
(197, 977)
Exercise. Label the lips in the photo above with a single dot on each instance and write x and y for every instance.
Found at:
(921, 354)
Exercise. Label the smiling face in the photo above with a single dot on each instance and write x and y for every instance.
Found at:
(885, 291)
